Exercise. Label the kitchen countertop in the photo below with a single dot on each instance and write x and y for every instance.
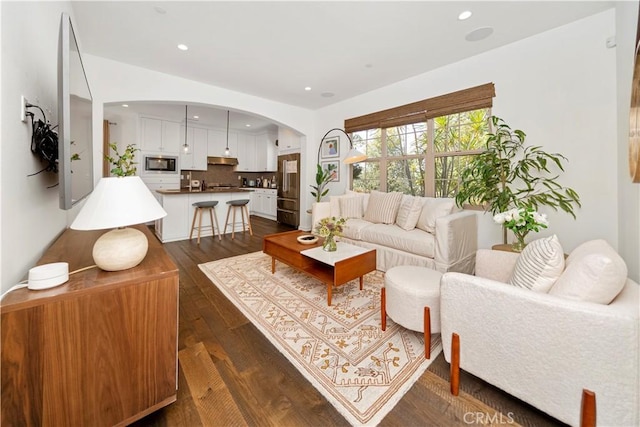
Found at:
(208, 190)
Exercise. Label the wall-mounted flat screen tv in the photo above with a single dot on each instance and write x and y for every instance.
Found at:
(75, 142)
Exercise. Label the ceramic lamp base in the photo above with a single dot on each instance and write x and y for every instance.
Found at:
(120, 249)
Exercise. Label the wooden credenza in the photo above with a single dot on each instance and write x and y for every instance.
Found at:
(100, 350)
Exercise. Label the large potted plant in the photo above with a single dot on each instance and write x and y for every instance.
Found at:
(323, 177)
(510, 175)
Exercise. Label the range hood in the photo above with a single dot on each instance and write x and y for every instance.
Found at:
(229, 161)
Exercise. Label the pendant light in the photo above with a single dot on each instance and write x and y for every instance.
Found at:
(185, 146)
(227, 152)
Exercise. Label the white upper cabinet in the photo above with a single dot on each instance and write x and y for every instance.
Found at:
(159, 135)
(217, 142)
(288, 140)
(246, 152)
(196, 157)
(266, 154)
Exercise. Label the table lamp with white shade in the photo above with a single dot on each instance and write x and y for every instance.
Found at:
(118, 202)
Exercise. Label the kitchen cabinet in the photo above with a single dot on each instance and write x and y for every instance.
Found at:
(98, 350)
(266, 154)
(177, 224)
(174, 226)
(196, 157)
(288, 141)
(264, 203)
(159, 135)
(217, 142)
(246, 152)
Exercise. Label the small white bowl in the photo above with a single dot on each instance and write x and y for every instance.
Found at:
(307, 239)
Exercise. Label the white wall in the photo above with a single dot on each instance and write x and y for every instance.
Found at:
(30, 217)
(628, 193)
(560, 88)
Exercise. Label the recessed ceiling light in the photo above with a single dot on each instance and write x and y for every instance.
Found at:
(479, 34)
(183, 47)
(465, 15)
(248, 125)
(125, 105)
(308, 88)
(196, 117)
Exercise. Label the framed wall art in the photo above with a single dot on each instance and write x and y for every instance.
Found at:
(334, 168)
(330, 147)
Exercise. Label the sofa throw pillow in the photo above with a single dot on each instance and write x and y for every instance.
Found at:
(383, 207)
(351, 207)
(539, 265)
(364, 196)
(409, 212)
(595, 273)
(433, 209)
(334, 204)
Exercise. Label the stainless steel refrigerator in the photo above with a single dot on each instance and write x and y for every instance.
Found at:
(289, 189)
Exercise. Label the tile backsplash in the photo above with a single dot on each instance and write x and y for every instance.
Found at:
(224, 175)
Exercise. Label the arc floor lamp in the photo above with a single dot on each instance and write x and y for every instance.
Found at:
(353, 156)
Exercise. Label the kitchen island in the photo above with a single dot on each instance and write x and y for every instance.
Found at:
(179, 207)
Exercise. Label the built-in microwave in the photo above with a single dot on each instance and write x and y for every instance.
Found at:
(160, 164)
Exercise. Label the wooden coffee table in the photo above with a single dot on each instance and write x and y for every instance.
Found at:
(349, 262)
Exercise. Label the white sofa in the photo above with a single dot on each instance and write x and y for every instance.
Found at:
(449, 244)
(544, 348)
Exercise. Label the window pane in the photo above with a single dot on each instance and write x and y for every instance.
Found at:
(461, 132)
(367, 142)
(447, 173)
(406, 140)
(366, 176)
(406, 176)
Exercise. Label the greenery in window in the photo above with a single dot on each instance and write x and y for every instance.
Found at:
(415, 164)
(509, 174)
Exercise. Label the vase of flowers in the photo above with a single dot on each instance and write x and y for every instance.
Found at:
(521, 221)
(329, 228)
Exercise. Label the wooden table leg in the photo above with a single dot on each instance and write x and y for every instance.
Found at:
(273, 264)
(361, 282)
(329, 294)
(383, 308)
(427, 333)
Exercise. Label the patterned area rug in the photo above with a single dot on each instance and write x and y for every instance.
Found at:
(340, 349)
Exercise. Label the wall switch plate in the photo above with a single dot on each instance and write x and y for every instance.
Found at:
(23, 109)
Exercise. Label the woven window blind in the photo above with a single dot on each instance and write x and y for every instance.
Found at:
(456, 102)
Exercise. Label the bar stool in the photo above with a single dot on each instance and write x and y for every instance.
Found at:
(200, 207)
(234, 205)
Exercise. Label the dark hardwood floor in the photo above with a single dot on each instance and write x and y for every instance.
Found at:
(230, 374)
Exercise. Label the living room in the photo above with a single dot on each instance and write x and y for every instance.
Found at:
(564, 87)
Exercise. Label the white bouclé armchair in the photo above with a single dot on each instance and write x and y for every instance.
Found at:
(542, 348)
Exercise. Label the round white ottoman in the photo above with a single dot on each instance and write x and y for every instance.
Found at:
(410, 294)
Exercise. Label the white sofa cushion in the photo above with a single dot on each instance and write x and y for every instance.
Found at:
(409, 212)
(414, 241)
(539, 265)
(353, 228)
(383, 207)
(350, 207)
(595, 272)
(433, 209)
(364, 196)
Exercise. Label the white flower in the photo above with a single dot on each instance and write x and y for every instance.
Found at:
(499, 218)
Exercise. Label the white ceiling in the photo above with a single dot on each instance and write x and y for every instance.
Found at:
(275, 49)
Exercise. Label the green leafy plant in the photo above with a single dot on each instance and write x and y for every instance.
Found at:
(124, 164)
(509, 174)
(323, 177)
